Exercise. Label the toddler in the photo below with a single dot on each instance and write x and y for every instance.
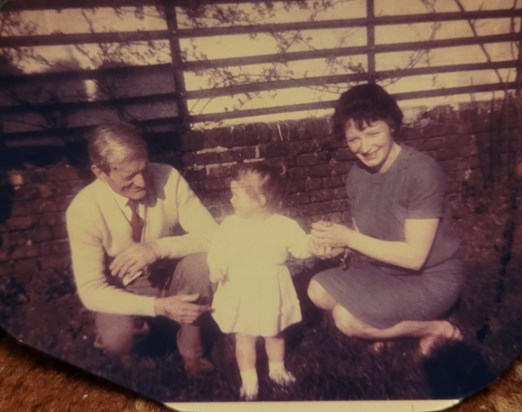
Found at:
(255, 295)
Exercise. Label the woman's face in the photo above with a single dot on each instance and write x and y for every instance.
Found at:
(372, 144)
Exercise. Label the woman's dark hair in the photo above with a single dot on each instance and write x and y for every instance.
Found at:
(365, 104)
(266, 180)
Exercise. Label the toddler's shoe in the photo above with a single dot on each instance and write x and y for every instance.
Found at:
(248, 392)
(282, 377)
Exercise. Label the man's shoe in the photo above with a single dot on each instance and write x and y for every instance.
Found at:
(197, 367)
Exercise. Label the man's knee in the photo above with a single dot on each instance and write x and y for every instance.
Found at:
(117, 334)
(192, 276)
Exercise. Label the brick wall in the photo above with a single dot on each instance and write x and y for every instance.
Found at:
(474, 147)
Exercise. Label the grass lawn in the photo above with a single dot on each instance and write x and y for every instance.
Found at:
(43, 311)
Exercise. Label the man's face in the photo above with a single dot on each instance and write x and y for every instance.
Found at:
(128, 179)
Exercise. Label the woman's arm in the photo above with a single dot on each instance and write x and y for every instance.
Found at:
(410, 253)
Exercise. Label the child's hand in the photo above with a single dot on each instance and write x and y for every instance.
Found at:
(218, 277)
(323, 250)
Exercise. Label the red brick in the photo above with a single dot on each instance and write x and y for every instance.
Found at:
(313, 183)
(304, 146)
(61, 261)
(16, 238)
(65, 188)
(332, 181)
(194, 175)
(187, 159)
(244, 153)
(275, 149)
(340, 193)
(317, 208)
(299, 198)
(192, 141)
(342, 155)
(20, 222)
(59, 232)
(219, 172)
(340, 168)
(36, 176)
(26, 192)
(206, 158)
(211, 138)
(25, 251)
(50, 219)
(34, 207)
(297, 172)
(226, 157)
(320, 170)
(214, 184)
(62, 172)
(54, 247)
(433, 143)
(46, 190)
(39, 234)
(296, 184)
(62, 202)
(445, 154)
(321, 195)
(25, 266)
(6, 267)
(312, 159)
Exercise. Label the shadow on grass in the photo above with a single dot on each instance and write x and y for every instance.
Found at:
(455, 371)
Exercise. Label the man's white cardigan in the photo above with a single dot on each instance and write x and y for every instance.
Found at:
(98, 228)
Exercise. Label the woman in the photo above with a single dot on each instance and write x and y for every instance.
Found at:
(401, 222)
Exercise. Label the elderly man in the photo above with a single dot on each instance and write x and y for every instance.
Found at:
(138, 237)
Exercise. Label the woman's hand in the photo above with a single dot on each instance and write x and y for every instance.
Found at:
(323, 250)
(332, 234)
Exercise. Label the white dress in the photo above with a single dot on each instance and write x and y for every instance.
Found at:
(258, 296)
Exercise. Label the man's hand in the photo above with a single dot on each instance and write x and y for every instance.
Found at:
(180, 308)
(133, 259)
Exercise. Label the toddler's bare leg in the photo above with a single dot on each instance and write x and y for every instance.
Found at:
(275, 350)
(246, 360)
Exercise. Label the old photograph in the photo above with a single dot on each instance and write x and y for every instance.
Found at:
(264, 201)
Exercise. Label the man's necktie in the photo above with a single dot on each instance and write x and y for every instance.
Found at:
(136, 221)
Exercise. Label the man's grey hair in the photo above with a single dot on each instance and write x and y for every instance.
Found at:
(112, 143)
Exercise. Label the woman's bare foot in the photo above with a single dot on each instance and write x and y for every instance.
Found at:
(379, 346)
(443, 332)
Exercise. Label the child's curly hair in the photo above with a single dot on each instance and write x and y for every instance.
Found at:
(260, 179)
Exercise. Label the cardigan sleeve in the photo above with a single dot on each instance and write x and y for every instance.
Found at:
(88, 262)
